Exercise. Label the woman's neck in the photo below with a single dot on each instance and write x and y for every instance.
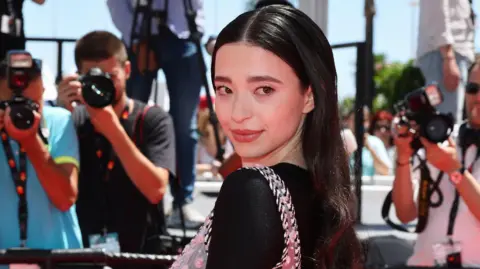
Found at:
(291, 152)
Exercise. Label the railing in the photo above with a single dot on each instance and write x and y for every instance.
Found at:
(80, 258)
(59, 42)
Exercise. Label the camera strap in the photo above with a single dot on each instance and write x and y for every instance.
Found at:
(456, 201)
(19, 176)
(426, 190)
(106, 160)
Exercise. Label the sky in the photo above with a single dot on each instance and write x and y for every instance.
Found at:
(395, 29)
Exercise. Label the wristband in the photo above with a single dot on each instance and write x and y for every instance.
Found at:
(457, 176)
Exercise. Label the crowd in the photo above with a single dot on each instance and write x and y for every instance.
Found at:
(92, 169)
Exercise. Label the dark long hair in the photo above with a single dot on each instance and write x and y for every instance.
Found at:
(295, 38)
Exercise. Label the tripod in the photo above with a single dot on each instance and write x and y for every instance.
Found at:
(195, 37)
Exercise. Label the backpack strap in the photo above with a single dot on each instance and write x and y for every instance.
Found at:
(137, 135)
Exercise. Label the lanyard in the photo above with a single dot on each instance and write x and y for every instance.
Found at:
(19, 176)
(456, 200)
(101, 152)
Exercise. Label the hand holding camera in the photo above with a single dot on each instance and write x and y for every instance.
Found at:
(20, 116)
(419, 125)
(20, 135)
(403, 139)
(417, 114)
(97, 92)
(69, 91)
(443, 157)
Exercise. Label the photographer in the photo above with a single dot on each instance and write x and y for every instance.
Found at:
(452, 230)
(126, 148)
(38, 167)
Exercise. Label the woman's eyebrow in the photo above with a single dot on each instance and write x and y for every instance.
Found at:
(264, 78)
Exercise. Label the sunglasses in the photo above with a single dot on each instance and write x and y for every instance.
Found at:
(472, 88)
(381, 127)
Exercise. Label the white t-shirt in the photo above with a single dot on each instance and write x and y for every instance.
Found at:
(466, 229)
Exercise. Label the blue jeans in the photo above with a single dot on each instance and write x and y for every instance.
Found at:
(179, 61)
(431, 65)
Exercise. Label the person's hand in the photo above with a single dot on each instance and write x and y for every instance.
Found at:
(19, 135)
(105, 120)
(402, 139)
(443, 157)
(69, 91)
(451, 74)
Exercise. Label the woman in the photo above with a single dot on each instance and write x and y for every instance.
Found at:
(276, 99)
(381, 127)
(375, 158)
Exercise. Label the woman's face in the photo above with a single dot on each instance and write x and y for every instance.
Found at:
(260, 103)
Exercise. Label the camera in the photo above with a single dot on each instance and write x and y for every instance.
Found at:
(21, 68)
(419, 107)
(98, 89)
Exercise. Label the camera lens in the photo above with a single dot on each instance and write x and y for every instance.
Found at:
(437, 129)
(22, 116)
(98, 89)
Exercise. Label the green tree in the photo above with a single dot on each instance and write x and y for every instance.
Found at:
(393, 81)
(346, 105)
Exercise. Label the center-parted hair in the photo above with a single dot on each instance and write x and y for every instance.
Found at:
(296, 39)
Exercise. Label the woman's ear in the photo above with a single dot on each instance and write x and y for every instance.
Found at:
(309, 103)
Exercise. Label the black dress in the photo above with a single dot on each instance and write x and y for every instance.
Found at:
(247, 231)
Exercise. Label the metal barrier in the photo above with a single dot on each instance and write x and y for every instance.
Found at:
(59, 42)
(362, 82)
(50, 259)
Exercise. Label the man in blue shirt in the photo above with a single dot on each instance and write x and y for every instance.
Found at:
(47, 184)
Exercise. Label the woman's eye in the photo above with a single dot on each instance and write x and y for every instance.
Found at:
(264, 90)
(223, 90)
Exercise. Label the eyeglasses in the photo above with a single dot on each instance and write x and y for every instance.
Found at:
(472, 88)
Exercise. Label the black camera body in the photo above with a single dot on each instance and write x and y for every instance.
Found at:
(98, 89)
(21, 67)
(419, 107)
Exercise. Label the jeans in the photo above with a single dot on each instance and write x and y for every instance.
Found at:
(179, 61)
(431, 65)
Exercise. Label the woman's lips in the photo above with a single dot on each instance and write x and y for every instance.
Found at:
(245, 135)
